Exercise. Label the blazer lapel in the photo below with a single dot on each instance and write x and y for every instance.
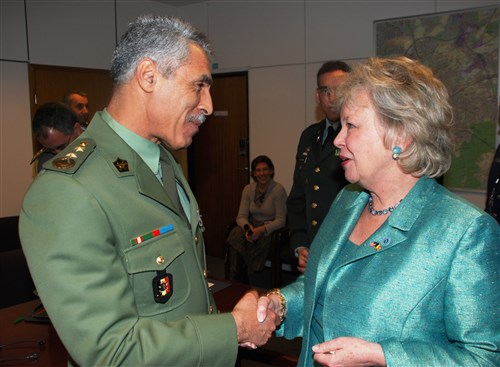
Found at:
(149, 185)
(392, 233)
(334, 234)
(317, 143)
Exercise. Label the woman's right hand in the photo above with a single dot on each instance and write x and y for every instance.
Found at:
(271, 302)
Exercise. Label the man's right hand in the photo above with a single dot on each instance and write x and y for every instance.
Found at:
(250, 330)
(303, 253)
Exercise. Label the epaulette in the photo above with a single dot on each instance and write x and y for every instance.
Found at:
(38, 154)
(71, 158)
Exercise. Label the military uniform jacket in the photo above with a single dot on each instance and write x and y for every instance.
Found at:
(493, 193)
(425, 285)
(99, 231)
(317, 178)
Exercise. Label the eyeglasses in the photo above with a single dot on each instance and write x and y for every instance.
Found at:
(327, 91)
(22, 344)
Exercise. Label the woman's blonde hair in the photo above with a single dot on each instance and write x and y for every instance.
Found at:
(411, 103)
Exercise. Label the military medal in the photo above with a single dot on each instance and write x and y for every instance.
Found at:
(305, 153)
(154, 233)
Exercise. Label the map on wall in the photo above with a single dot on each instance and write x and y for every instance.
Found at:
(462, 50)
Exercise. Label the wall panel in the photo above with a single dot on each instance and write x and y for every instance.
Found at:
(277, 116)
(13, 31)
(71, 33)
(15, 136)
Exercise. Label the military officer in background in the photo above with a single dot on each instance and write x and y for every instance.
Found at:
(55, 126)
(318, 176)
(111, 229)
(78, 102)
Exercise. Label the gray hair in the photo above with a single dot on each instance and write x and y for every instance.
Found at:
(410, 101)
(164, 40)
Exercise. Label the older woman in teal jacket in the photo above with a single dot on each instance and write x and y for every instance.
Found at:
(402, 271)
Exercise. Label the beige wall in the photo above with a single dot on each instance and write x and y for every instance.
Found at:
(280, 42)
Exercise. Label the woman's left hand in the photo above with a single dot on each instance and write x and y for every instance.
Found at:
(349, 351)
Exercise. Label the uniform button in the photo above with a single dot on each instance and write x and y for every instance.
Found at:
(314, 205)
(205, 273)
(211, 309)
(315, 187)
(160, 260)
(196, 239)
(317, 170)
(314, 223)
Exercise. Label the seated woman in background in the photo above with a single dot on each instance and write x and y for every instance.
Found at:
(262, 211)
(402, 272)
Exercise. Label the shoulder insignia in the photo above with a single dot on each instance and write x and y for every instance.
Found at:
(38, 154)
(63, 162)
(71, 158)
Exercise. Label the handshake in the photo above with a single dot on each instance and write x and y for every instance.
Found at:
(256, 318)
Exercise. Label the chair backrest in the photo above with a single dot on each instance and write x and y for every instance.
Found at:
(9, 233)
(16, 285)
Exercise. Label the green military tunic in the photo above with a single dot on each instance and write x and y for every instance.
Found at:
(120, 271)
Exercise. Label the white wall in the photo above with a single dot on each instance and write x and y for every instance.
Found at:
(49, 32)
(280, 42)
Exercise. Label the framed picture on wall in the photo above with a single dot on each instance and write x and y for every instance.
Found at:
(462, 50)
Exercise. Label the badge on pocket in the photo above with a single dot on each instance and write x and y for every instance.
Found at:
(162, 286)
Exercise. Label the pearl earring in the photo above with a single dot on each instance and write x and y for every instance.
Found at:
(396, 151)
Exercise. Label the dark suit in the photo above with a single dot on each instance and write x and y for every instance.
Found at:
(39, 160)
(493, 194)
(99, 231)
(317, 179)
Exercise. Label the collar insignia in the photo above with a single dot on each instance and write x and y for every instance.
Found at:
(121, 165)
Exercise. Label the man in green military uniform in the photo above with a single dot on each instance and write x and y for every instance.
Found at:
(111, 230)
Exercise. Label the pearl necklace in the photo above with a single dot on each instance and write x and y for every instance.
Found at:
(383, 211)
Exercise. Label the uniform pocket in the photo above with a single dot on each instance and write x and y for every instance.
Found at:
(146, 260)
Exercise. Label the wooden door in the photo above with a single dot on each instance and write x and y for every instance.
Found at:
(218, 159)
(50, 83)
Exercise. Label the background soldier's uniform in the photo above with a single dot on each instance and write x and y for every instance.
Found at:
(317, 179)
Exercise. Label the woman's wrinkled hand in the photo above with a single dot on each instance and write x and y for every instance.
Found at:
(349, 351)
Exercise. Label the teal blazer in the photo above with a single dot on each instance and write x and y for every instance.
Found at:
(87, 228)
(427, 288)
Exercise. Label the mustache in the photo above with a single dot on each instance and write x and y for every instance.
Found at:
(197, 118)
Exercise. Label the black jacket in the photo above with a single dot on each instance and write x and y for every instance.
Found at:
(493, 194)
(317, 179)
